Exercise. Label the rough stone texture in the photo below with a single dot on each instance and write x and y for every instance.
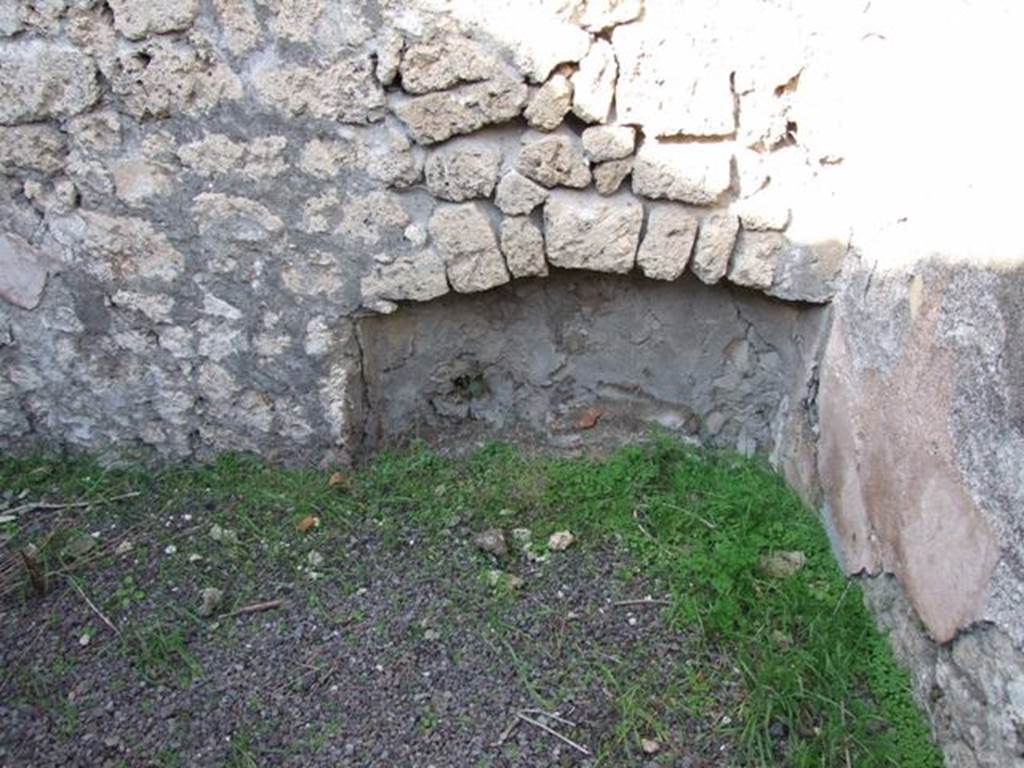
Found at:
(522, 242)
(763, 211)
(135, 19)
(755, 258)
(608, 177)
(435, 117)
(463, 170)
(584, 231)
(979, 716)
(920, 435)
(555, 160)
(217, 190)
(690, 173)
(342, 90)
(31, 147)
(118, 249)
(218, 154)
(599, 15)
(715, 242)
(593, 84)
(542, 38)
(417, 277)
(234, 218)
(547, 348)
(137, 181)
(517, 195)
(609, 142)
(23, 272)
(464, 236)
(160, 78)
(808, 272)
(40, 80)
(241, 27)
(550, 103)
(668, 242)
(676, 57)
(442, 64)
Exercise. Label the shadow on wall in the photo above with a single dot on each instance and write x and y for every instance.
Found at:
(581, 360)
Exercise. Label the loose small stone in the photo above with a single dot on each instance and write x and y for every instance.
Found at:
(491, 541)
(559, 541)
(211, 599)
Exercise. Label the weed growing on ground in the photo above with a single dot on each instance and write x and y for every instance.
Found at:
(811, 681)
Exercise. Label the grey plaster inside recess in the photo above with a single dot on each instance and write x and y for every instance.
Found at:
(714, 363)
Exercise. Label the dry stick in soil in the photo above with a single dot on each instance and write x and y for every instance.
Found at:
(70, 505)
(269, 605)
(95, 610)
(538, 724)
(641, 601)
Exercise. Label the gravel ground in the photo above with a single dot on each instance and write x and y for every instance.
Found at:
(386, 651)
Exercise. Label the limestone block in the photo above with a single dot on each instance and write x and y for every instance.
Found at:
(463, 170)
(585, 231)
(555, 160)
(608, 177)
(550, 103)
(217, 154)
(764, 118)
(416, 277)
(324, 158)
(367, 217)
(241, 26)
(715, 242)
(137, 180)
(40, 80)
(599, 15)
(517, 195)
(679, 60)
(96, 131)
(441, 64)
(542, 40)
(608, 142)
(294, 19)
(118, 248)
(10, 20)
(343, 89)
(157, 79)
(464, 237)
(23, 272)
(593, 84)
(808, 272)
(668, 242)
(389, 56)
(522, 242)
(765, 210)
(435, 117)
(390, 157)
(234, 218)
(31, 147)
(690, 173)
(754, 261)
(135, 19)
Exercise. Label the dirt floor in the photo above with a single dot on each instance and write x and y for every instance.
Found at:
(390, 656)
(430, 613)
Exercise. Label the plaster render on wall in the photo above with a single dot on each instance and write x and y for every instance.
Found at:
(210, 211)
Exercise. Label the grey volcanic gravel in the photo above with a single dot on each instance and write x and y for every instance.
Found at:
(398, 654)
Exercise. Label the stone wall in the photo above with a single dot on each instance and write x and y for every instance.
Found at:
(308, 229)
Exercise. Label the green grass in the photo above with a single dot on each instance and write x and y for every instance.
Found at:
(808, 660)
